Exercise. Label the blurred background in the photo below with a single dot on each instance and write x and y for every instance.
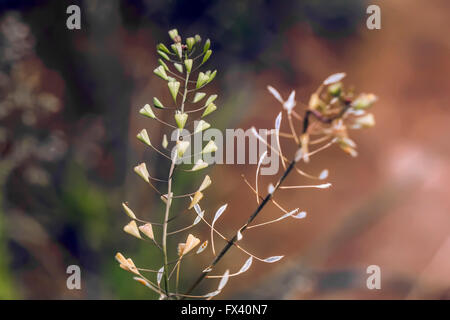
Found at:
(69, 102)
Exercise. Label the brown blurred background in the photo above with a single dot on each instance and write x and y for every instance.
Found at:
(69, 116)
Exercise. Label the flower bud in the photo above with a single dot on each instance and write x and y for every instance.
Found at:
(207, 45)
(163, 48)
(190, 43)
(366, 121)
(206, 56)
(164, 55)
(335, 89)
(364, 101)
(173, 34)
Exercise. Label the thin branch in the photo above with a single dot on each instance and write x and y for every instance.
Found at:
(268, 196)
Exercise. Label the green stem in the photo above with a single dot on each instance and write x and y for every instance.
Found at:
(169, 202)
(164, 235)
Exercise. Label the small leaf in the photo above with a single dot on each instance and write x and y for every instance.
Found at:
(160, 72)
(147, 230)
(131, 228)
(174, 86)
(334, 78)
(147, 111)
(224, 280)
(128, 211)
(210, 108)
(210, 147)
(143, 136)
(273, 259)
(198, 96)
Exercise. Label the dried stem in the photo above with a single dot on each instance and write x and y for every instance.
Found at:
(268, 197)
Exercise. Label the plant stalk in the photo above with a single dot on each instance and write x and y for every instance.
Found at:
(231, 242)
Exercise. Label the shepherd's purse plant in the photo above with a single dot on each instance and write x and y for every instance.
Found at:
(332, 112)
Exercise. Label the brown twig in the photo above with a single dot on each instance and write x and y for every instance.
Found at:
(230, 243)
